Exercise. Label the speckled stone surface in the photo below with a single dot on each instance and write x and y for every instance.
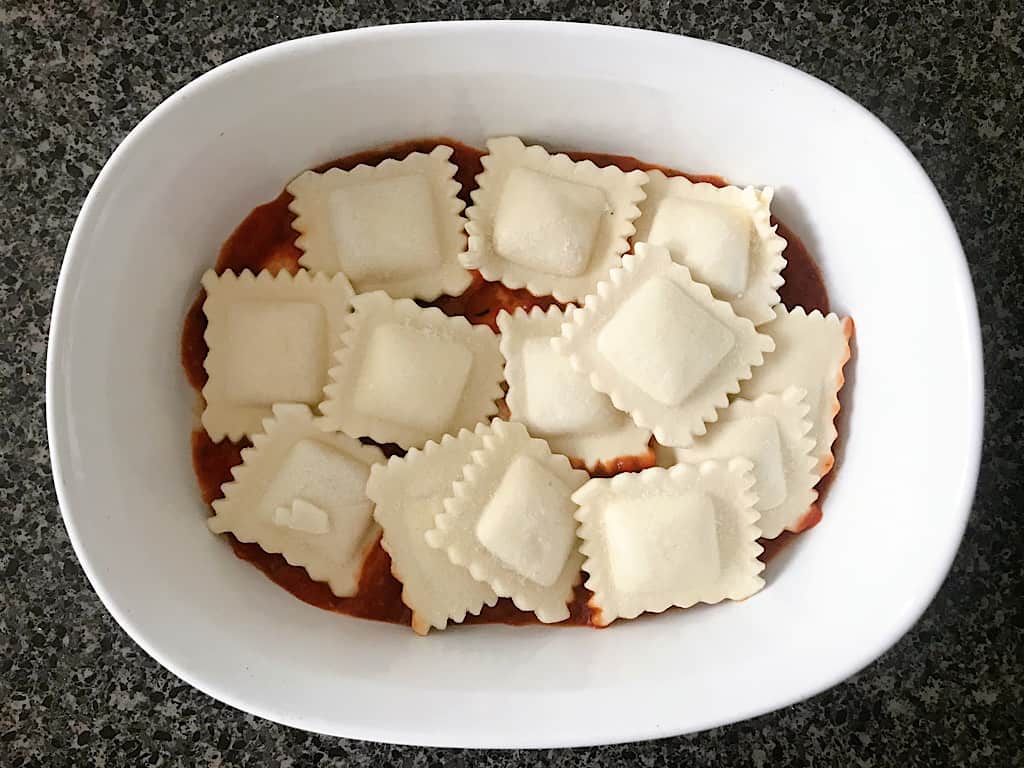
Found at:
(948, 77)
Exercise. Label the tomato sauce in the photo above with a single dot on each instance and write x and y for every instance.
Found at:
(266, 240)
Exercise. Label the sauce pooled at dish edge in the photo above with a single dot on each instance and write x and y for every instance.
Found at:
(265, 240)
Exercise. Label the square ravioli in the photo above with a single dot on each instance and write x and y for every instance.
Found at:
(661, 346)
(546, 223)
(396, 226)
(409, 493)
(669, 537)
(773, 432)
(270, 340)
(406, 374)
(510, 521)
(724, 235)
(301, 493)
(810, 352)
(556, 402)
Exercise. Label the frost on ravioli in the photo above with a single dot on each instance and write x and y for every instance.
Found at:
(661, 346)
(270, 340)
(546, 223)
(810, 352)
(510, 521)
(724, 235)
(408, 493)
(556, 402)
(772, 432)
(669, 537)
(396, 226)
(406, 374)
(301, 492)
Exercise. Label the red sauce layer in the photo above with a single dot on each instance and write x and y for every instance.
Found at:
(266, 240)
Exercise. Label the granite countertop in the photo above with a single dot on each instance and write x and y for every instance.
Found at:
(948, 77)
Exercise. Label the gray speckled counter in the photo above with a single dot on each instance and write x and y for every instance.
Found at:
(74, 690)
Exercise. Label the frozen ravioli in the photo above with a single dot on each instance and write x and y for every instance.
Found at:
(772, 431)
(396, 226)
(510, 521)
(270, 340)
(724, 235)
(546, 223)
(301, 492)
(405, 374)
(409, 493)
(669, 537)
(810, 352)
(661, 346)
(556, 402)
